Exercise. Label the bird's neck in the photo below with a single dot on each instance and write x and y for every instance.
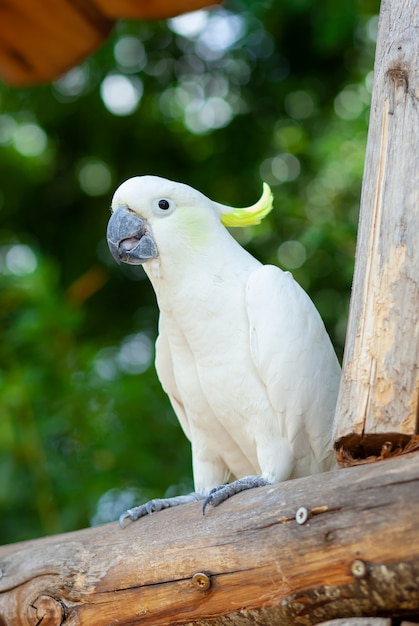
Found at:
(192, 276)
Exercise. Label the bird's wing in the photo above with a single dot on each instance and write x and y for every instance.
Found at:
(165, 372)
(295, 359)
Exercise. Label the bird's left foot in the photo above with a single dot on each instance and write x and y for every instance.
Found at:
(219, 494)
(156, 505)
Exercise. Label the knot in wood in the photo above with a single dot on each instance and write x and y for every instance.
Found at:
(48, 610)
(399, 78)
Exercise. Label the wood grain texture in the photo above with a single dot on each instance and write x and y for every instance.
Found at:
(359, 621)
(379, 395)
(356, 555)
(42, 39)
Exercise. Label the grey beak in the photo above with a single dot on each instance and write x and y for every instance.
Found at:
(130, 239)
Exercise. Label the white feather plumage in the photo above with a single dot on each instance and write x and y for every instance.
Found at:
(242, 352)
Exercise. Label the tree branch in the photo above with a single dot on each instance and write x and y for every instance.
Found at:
(247, 561)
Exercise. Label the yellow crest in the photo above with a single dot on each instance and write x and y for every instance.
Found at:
(250, 215)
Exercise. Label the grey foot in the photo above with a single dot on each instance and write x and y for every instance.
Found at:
(219, 494)
(156, 505)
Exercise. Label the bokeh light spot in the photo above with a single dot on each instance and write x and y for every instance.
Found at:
(113, 502)
(29, 140)
(291, 254)
(94, 177)
(223, 30)
(208, 115)
(372, 28)
(130, 54)
(20, 260)
(72, 84)
(280, 169)
(121, 95)
(135, 354)
(348, 104)
(299, 105)
(105, 365)
(7, 129)
(189, 25)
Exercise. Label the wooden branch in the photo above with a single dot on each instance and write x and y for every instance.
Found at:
(248, 561)
(379, 395)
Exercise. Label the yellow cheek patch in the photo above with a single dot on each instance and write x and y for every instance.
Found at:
(194, 227)
(253, 214)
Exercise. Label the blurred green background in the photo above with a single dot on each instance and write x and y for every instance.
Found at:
(222, 99)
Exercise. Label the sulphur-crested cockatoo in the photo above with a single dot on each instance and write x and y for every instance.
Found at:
(242, 352)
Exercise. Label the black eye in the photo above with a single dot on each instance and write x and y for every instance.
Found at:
(164, 204)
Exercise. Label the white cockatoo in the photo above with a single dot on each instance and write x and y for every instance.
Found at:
(242, 351)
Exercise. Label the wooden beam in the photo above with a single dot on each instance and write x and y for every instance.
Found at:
(42, 39)
(379, 395)
(248, 561)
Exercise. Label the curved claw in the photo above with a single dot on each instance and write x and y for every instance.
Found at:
(123, 517)
(133, 514)
(209, 499)
(205, 503)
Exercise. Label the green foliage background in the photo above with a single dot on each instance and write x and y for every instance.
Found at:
(273, 90)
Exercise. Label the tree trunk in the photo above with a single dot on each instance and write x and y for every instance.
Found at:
(379, 395)
(340, 544)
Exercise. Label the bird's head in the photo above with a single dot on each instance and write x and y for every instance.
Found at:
(151, 214)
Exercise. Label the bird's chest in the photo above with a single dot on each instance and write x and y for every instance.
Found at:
(209, 345)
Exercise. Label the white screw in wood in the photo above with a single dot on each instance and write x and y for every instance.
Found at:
(302, 515)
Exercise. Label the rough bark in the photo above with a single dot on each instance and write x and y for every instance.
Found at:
(247, 562)
(379, 395)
